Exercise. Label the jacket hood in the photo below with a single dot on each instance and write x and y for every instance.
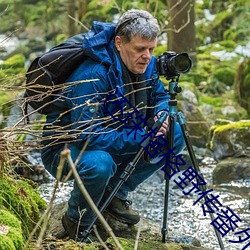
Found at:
(98, 43)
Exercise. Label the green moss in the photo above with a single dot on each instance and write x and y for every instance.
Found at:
(21, 199)
(91, 247)
(16, 237)
(9, 219)
(174, 246)
(128, 244)
(236, 125)
(219, 102)
(13, 239)
(6, 243)
(219, 131)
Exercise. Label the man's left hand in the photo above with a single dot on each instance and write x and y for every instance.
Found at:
(165, 125)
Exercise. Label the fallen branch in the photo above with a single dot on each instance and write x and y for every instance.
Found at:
(65, 154)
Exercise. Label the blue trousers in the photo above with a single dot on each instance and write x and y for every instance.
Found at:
(100, 170)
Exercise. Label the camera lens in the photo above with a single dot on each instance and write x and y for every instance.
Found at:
(182, 63)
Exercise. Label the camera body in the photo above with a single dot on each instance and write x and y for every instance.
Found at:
(171, 65)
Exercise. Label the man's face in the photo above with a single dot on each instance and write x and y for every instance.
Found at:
(137, 53)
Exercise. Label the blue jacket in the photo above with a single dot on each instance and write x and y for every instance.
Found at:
(88, 118)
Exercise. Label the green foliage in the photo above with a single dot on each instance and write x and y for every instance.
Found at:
(60, 38)
(160, 49)
(12, 67)
(221, 23)
(242, 84)
(229, 22)
(22, 200)
(17, 61)
(219, 102)
(216, 67)
(214, 101)
(225, 75)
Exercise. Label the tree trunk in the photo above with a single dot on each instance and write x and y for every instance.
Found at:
(83, 7)
(181, 27)
(72, 13)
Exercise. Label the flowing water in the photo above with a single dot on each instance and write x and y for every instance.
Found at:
(184, 219)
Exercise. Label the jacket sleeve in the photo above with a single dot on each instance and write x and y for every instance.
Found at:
(89, 121)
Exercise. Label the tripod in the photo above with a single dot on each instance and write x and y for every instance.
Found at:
(173, 90)
(126, 173)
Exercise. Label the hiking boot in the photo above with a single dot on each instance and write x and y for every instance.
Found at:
(121, 211)
(75, 231)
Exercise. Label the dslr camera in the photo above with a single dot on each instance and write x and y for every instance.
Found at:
(171, 65)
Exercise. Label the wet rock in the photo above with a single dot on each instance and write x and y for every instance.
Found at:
(231, 169)
(231, 139)
(197, 125)
(150, 235)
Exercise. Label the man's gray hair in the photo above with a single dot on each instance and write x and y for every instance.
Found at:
(137, 22)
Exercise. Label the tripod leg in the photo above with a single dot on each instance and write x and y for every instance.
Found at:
(170, 146)
(124, 176)
(196, 167)
(127, 172)
(164, 229)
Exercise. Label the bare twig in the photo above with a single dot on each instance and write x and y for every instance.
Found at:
(99, 238)
(137, 236)
(77, 21)
(67, 155)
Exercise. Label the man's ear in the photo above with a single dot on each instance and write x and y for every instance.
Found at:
(118, 42)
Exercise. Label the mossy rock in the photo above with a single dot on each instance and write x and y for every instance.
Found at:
(128, 244)
(150, 235)
(11, 237)
(22, 200)
(230, 139)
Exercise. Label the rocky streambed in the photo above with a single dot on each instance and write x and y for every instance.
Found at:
(185, 221)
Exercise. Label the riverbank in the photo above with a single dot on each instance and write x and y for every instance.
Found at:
(185, 221)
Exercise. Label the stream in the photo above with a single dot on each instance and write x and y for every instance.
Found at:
(185, 221)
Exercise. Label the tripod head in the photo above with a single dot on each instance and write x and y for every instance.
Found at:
(174, 89)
